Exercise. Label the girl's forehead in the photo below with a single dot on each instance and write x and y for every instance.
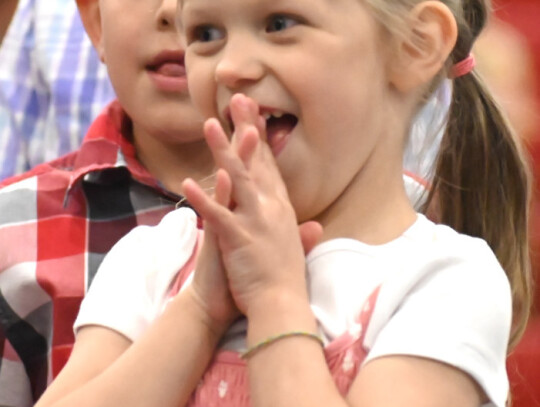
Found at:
(253, 3)
(253, 8)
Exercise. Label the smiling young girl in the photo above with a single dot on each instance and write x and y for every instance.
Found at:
(319, 97)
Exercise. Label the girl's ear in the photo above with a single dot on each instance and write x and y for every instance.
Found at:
(430, 37)
(91, 19)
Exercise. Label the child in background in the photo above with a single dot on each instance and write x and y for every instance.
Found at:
(408, 312)
(58, 220)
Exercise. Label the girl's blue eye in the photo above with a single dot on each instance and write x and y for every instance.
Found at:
(207, 33)
(280, 23)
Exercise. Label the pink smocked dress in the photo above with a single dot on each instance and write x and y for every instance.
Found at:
(225, 383)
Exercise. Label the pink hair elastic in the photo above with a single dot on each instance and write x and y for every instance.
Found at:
(463, 68)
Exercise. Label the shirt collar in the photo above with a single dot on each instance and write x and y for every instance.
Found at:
(108, 151)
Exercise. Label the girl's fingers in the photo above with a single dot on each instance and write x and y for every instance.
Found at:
(250, 139)
(248, 162)
(223, 152)
(216, 138)
(203, 204)
(249, 127)
(244, 114)
(261, 126)
(247, 147)
(216, 216)
(227, 158)
(223, 188)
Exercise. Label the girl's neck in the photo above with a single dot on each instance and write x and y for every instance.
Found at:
(372, 222)
(374, 209)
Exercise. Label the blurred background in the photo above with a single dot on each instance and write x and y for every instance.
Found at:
(508, 55)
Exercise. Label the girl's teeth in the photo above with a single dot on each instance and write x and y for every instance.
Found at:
(275, 115)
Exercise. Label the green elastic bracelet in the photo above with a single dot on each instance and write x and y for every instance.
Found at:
(263, 344)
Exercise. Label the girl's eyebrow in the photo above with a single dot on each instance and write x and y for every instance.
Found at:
(195, 7)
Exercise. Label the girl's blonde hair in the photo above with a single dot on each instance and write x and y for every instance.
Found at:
(481, 183)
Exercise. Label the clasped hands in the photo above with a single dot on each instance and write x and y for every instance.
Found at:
(253, 250)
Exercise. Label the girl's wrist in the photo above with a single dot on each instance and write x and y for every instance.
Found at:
(279, 312)
(190, 302)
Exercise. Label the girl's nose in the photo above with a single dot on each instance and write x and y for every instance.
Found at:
(166, 15)
(238, 67)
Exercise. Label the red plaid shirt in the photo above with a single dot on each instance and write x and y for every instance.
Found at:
(56, 224)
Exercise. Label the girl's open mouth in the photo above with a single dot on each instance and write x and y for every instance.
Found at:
(278, 126)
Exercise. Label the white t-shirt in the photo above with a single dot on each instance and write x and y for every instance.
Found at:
(442, 295)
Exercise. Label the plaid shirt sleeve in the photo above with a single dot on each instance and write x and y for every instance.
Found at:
(24, 305)
(50, 250)
(51, 85)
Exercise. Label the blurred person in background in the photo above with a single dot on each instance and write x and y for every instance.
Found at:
(52, 84)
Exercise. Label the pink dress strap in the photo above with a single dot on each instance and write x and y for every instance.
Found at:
(346, 353)
(188, 268)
